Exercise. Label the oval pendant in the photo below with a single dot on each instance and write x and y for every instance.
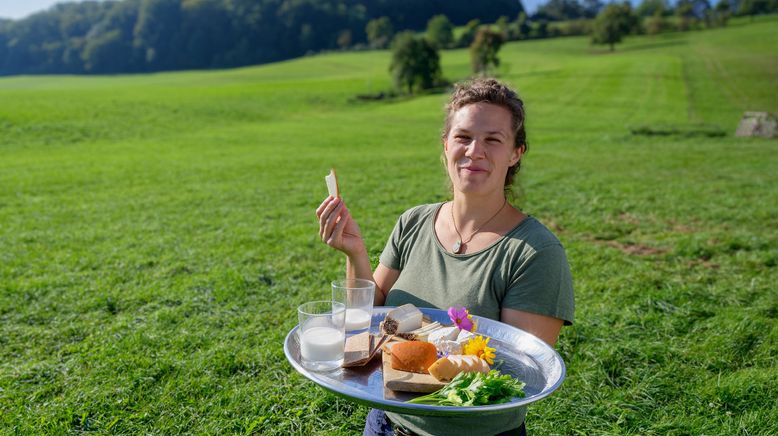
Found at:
(457, 247)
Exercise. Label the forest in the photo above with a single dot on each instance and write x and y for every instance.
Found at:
(98, 37)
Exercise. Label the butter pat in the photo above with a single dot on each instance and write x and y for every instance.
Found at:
(403, 319)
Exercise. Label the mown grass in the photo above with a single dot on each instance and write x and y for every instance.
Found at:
(157, 232)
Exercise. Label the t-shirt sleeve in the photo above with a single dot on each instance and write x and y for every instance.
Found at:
(390, 257)
(543, 285)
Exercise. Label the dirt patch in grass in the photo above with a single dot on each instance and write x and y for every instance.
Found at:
(632, 249)
(635, 249)
(554, 226)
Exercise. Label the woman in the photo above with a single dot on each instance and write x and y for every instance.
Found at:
(476, 250)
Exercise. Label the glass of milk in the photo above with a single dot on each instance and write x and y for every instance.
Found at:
(322, 336)
(357, 295)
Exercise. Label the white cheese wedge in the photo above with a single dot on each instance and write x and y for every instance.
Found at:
(332, 183)
(444, 334)
(408, 318)
(464, 336)
(448, 347)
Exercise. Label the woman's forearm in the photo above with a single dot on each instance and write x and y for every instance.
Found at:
(358, 267)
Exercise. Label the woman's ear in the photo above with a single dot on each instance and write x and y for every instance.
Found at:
(516, 154)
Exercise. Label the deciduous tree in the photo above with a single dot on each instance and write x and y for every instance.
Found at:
(613, 23)
(483, 51)
(415, 63)
(468, 35)
(649, 8)
(379, 32)
(723, 11)
(522, 26)
(684, 12)
(155, 31)
(656, 23)
(440, 31)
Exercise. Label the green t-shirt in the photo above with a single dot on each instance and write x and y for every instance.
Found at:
(524, 270)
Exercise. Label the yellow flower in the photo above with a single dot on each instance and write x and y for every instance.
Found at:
(478, 346)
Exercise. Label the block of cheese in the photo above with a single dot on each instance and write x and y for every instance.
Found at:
(402, 319)
(446, 368)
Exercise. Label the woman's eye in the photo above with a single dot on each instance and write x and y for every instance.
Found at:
(462, 138)
(494, 140)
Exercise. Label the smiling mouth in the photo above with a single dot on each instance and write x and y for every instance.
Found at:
(473, 170)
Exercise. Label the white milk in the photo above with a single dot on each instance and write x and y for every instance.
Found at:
(322, 344)
(357, 319)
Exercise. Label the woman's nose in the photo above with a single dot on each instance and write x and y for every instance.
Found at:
(475, 149)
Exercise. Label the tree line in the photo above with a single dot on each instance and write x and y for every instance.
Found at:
(415, 64)
(130, 36)
(153, 35)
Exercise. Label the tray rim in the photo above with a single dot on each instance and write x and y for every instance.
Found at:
(390, 405)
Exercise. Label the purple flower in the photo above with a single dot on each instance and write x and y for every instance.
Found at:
(461, 318)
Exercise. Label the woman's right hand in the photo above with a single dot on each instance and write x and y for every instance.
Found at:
(337, 228)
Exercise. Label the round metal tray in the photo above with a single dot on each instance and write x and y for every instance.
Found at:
(523, 356)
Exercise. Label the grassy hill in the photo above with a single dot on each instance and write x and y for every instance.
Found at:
(158, 231)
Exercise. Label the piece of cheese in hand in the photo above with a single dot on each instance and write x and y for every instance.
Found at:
(446, 368)
(332, 183)
(402, 319)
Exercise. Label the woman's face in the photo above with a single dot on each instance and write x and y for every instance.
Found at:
(479, 148)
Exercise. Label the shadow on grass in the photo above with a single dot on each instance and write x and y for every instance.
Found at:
(656, 45)
(688, 131)
(394, 96)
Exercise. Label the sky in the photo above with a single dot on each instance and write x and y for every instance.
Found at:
(21, 8)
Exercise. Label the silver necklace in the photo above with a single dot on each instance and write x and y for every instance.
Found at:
(457, 247)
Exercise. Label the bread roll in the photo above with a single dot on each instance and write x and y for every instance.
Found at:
(413, 356)
(446, 368)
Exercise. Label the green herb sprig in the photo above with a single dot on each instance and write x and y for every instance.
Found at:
(475, 389)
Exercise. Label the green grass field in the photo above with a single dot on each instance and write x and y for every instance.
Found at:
(158, 231)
